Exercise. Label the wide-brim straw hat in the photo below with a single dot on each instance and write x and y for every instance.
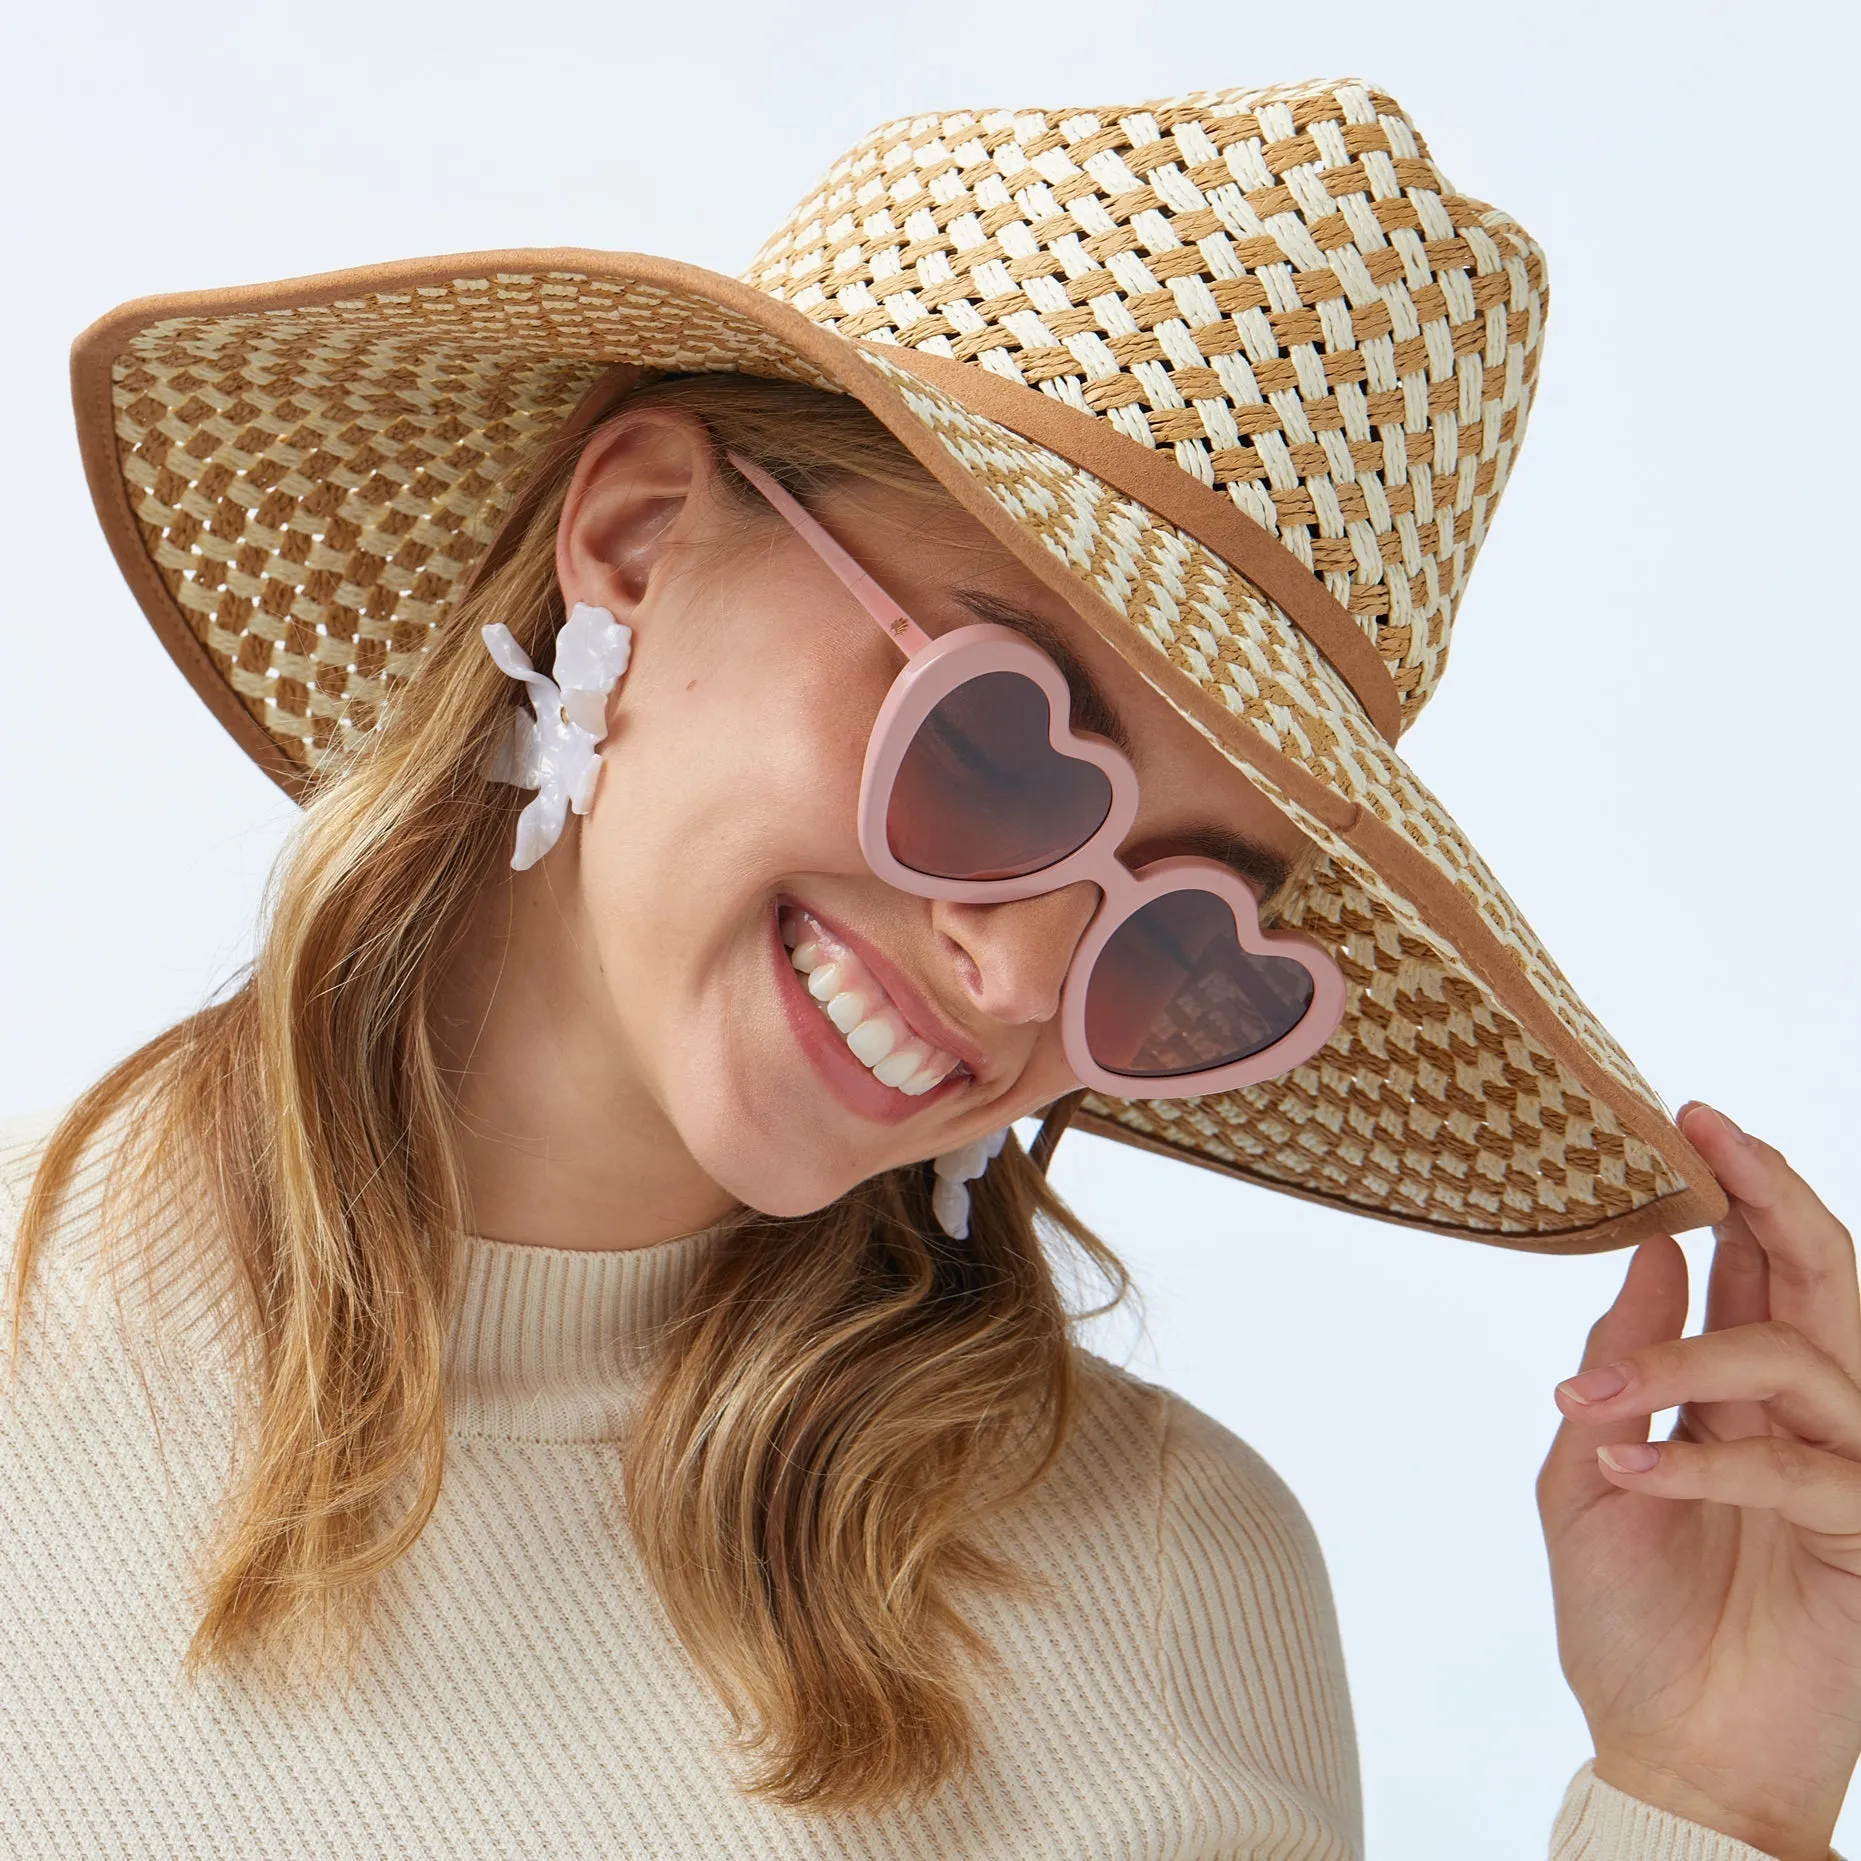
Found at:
(1238, 374)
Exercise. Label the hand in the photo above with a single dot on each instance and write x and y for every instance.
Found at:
(1708, 1589)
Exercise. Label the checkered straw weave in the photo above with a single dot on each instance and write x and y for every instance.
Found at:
(1421, 1073)
(1274, 291)
(1278, 286)
(315, 488)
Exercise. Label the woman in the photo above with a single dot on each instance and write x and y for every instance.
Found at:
(577, 1302)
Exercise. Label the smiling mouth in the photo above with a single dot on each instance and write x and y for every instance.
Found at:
(860, 1011)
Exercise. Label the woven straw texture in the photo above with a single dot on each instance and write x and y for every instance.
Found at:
(315, 488)
(1278, 285)
(1275, 289)
(1417, 1096)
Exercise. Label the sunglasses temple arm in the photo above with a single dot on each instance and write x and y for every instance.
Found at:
(900, 628)
(1052, 1128)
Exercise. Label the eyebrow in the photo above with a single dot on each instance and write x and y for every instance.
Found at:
(1095, 714)
(1262, 869)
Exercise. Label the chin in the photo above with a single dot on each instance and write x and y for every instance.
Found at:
(782, 1172)
(777, 1191)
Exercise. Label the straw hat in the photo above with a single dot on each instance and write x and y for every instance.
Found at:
(1238, 373)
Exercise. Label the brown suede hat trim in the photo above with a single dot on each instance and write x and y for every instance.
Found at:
(1124, 464)
(1156, 480)
(1671, 1214)
(92, 356)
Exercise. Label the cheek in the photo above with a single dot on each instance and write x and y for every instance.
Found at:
(718, 786)
(1046, 1076)
(722, 787)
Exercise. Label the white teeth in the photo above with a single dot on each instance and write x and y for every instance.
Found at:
(900, 1064)
(876, 1034)
(872, 1040)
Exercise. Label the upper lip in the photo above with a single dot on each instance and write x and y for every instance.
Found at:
(907, 998)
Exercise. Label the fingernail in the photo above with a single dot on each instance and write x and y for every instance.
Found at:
(1742, 1136)
(1596, 1385)
(1629, 1456)
(1712, 1111)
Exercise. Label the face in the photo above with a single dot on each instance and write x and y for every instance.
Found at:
(721, 858)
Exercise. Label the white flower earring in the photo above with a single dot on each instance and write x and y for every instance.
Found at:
(954, 1171)
(555, 752)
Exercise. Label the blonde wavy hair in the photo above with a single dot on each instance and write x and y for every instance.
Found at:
(849, 1393)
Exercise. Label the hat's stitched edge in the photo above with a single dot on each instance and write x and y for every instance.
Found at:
(1156, 481)
(1668, 1214)
(91, 363)
(1384, 851)
(1152, 480)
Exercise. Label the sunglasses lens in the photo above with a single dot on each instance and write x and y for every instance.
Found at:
(1173, 992)
(982, 793)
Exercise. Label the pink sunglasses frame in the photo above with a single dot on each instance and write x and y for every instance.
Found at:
(933, 669)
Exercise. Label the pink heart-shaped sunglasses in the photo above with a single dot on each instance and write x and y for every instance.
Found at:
(976, 788)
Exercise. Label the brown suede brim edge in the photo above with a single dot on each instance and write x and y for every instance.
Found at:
(1668, 1214)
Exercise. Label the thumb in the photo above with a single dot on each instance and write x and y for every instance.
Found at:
(1650, 1309)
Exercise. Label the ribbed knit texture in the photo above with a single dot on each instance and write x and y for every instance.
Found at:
(1598, 1823)
(1174, 1689)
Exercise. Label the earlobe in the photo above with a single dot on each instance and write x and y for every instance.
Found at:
(630, 501)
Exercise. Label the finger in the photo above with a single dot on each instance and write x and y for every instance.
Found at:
(1738, 1287)
(1773, 1364)
(1809, 1255)
(1650, 1309)
(1819, 1491)
(1737, 1293)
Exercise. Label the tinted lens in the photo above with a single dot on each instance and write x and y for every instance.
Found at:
(1173, 992)
(982, 794)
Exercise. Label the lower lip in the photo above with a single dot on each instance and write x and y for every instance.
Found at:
(843, 1075)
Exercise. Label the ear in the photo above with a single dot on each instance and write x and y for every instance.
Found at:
(638, 489)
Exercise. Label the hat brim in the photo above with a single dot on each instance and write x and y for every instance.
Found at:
(297, 479)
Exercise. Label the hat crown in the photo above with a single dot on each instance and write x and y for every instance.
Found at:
(1278, 286)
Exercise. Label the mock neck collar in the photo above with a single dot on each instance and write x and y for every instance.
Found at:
(551, 1344)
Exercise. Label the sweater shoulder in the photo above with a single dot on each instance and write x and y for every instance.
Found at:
(112, 1240)
(1209, 1500)
(1195, 1475)
(25, 1131)
(1221, 1493)
(1140, 1469)
(1249, 1661)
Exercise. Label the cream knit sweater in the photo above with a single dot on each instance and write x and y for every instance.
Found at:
(1177, 1691)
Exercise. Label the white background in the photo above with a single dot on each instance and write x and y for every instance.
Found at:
(1649, 727)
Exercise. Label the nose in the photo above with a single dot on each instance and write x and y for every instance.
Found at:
(1014, 957)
